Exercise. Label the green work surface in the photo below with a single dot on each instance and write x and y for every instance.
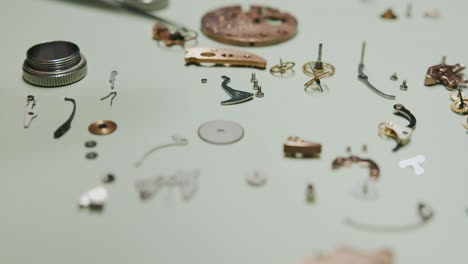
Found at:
(228, 221)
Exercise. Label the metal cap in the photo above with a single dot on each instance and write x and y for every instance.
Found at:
(53, 64)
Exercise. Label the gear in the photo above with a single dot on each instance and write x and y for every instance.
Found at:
(458, 108)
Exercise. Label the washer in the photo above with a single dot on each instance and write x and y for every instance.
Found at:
(221, 132)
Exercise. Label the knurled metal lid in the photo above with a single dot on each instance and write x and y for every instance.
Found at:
(53, 64)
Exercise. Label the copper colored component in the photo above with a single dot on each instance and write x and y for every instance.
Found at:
(223, 56)
(296, 145)
(389, 15)
(347, 255)
(102, 127)
(347, 162)
(449, 75)
(162, 33)
(258, 26)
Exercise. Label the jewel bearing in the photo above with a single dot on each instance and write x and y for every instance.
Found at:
(54, 64)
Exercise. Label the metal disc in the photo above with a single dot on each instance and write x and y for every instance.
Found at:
(102, 127)
(221, 132)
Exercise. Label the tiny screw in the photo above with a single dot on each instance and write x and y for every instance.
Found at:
(310, 193)
(403, 86)
(91, 155)
(255, 86)
(394, 77)
(259, 92)
(90, 144)
(204, 80)
(253, 78)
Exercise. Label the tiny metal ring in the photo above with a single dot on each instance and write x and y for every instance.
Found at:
(331, 69)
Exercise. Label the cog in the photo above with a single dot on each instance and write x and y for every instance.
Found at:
(456, 107)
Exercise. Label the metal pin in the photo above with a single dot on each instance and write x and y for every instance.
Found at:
(394, 77)
(364, 148)
(310, 193)
(462, 101)
(253, 78)
(444, 59)
(255, 86)
(319, 64)
(112, 78)
(403, 86)
(363, 51)
(259, 92)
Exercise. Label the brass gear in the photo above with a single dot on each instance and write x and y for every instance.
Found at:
(456, 107)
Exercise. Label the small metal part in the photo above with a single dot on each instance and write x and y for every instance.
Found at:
(257, 179)
(348, 150)
(310, 193)
(203, 80)
(448, 75)
(460, 106)
(221, 132)
(282, 68)
(455, 96)
(90, 144)
(259, 93)
(223, 56)
(340, 162)
(318, 70)
(297, 147)
(29, 115)
(365, 79)
(389, 15)
(403, 86)
(177, 36)
(348, 255)
(258, 26)
(113, 94)
(108, 178)
(253, 78)
(401, 134)
(394, 77)
(102, 127)
(187, 182)
(67, 125)
(425, 214)
(176, 141)
(53, 64)
(112, 78)
(94, 199)
(91, 155)
(236, 96)
(364, 148)
(255, 85)
(415, 163)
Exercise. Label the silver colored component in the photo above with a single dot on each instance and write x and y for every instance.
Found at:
(255, 84)
(204, 80)
(319, 64)
(394, 77)
(414, 162)
(221, 132)
(403, 86)
(112, 78)
(29, 115)
(95, 198)
(365, 79)
(108, 178)
(113, 94)
(237, 97)
(253, 78)
(176, 141)
(259, 93)
(54, 64)
(90, 144)
(91, 155)
(257, 179)
(310, 193)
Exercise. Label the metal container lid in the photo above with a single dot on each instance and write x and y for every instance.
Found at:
(53, 64)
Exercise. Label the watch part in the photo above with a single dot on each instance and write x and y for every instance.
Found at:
(257, 179)
(401, 134)
(237, 97)
(415, 163)
(365, 79)
(179, 36)
(203, 80)
(297, 147)
(67, 125)
(403, 86)
(108, 178)
(176, 141)
(29, 115)
(224, 56)
(348, 255)
(112, 78)
(221, 132)
(455, 96)
(53, 64)
(394, 77)
(90, 144)
(310, 193)
(340, 162)
(460, 107)
(281, 68)
(91, 155)
(424, 211)
(102, 127)
(448, 75)
(113, 94)
(95, 198)
(258, 26)
(259, 93)
(389, 15)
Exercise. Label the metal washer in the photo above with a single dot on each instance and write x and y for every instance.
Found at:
(221, 132)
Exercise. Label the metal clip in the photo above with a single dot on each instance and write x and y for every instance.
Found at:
(236, 96)
(29, 115)
(401, 134)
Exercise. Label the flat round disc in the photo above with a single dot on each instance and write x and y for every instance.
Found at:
(102, 127)
(221, 132)
(258, 26)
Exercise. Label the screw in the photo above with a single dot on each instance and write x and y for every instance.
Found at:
(394, 77)
(403, 86)
(310, 193)
(91, 155)
(204, 80)
(90, 144)
(364, 148)
(253, 78)
(319, 65)
(255, 86)
(259, 93)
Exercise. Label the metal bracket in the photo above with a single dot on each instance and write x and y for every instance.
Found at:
(236, 96)
(401, 134)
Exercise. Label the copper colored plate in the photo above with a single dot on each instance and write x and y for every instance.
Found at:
(258, 26)
(102, 127)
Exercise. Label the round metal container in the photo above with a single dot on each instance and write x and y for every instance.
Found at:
(53, 64)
